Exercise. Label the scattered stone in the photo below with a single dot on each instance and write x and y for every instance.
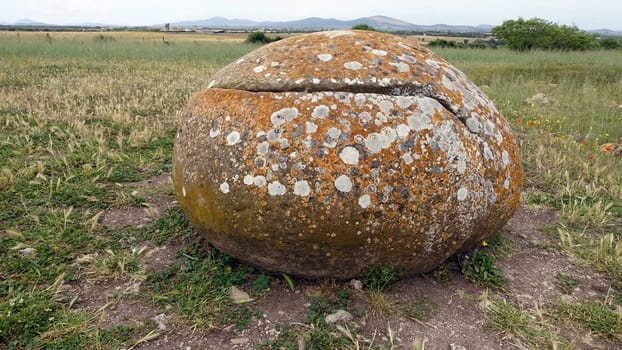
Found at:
(239, 341)
(538, 99)
(133, 288)
(134, 193)
(366, 165)
(457, 347)
(28, 251)
(161, 320)
(239, 296)
(356, 284)
(339, 316)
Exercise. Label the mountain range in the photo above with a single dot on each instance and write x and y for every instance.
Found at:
(312, 23)
(317, 23)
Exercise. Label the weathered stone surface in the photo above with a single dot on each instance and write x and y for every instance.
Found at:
(322, 154)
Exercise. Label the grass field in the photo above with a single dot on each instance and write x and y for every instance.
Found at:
(87, 123)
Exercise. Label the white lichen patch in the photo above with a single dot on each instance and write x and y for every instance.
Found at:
(233, 138)
(260, 181)
(349, 155)
(353, 65)
(343, 184)
(259, 69)
(505, 158)
(224, 187)
(473, 125)
(401, 67)
(310, 127)
(211, 84)
(404, 101)
(462, 193)
(274, 64)
(249, 179)
(334, 133)
(275, 188)
(316, 81)
(506, 184)
(320, 111)
(402, 131)
(283, 116)
(461, 166)
(324, 57)
(408, 158)
(263, 148)
(214, 132)
(302, 188)
(365, 201)
(419, 122)
(183, 191)
(375, 142)
(335, 33)
(379, 52)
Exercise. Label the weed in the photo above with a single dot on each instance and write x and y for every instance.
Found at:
(599, 317)
(199, 286)
(481, 268)
(380, 277)
(442, 274)
(531, 329)
(565, 283)
(261, 284)
(500, 246)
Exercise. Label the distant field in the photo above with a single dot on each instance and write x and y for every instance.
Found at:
(93, 245)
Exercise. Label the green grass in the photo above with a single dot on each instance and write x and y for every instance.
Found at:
(79, 118)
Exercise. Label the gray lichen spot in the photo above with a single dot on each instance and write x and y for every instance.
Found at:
(324, 57)
(473, 125)
(224, 187)
(275, 188)
(462, 193)
(249, 179)
(353, 65)
(349, 155)
(263, 147)
(283, 116)
(302, 188)
(260, 181)
(343, 184)
(320, 111)
(233, 138)
(365, 201)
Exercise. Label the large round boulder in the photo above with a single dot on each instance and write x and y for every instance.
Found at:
(326, 153)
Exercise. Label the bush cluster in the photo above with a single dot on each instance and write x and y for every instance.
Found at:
(260, 38)
(536, 33)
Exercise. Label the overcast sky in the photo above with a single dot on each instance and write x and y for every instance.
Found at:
(593, 14)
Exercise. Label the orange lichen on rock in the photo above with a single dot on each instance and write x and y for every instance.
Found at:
(326, 153)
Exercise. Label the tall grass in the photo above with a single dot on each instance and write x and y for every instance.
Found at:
(584, 88)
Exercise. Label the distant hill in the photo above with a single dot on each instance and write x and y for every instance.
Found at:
(307, 24)
(317, 23)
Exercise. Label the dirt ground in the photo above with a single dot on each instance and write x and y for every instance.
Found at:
(456, 321)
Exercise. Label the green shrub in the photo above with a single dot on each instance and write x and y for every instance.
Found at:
(260, 38)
